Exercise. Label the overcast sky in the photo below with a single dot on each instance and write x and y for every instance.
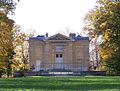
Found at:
(52, 16)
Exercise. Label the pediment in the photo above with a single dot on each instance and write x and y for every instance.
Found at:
(59, 37)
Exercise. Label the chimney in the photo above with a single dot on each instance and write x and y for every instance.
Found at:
(46, 34)
(72, 35)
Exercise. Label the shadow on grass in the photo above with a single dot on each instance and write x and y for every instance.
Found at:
(58, 84)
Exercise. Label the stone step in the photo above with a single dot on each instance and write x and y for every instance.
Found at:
(60, 70)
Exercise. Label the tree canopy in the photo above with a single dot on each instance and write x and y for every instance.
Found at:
(7, 6)
(104, 20)
(6, 36)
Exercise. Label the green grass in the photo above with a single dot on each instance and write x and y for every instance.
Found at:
(43, 83)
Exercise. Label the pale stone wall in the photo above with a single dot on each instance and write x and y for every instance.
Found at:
(75, 55)
(36, 53)
(81, 55)
(49, 59)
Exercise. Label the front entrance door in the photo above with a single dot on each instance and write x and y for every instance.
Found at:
(59, 61)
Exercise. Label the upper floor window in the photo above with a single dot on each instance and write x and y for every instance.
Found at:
(59, 48)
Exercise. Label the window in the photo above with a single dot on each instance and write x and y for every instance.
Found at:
(59, 56)
(59, 48)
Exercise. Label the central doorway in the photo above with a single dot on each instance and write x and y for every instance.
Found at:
(59, 61)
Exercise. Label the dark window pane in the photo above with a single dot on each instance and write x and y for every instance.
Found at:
(57, 55)
(60, 55)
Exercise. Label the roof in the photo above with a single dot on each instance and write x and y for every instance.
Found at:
(37, 38)
(58, 37)
(80, 38)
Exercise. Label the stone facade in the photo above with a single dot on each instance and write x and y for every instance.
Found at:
(59, 52)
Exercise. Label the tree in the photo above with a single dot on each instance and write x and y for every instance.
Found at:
(104, 20)
(21, 49)
(6, 36)
(6, 46)
(14, 50)
(7, 6)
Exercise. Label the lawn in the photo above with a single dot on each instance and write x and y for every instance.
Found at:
(46, 83)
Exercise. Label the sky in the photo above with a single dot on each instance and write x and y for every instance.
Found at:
(52, 16)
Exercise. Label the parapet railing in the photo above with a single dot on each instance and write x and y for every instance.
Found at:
(59, 67)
